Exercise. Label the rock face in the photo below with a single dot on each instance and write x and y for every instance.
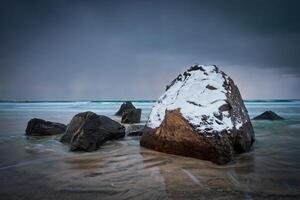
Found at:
(125, 106)
(131, 116)
(135, 130)
(200, 115)
(268, 115)
(40, 127)
(87, 131)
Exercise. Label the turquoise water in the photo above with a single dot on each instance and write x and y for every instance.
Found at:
(43, 168)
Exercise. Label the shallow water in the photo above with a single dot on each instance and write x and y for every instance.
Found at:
(43, 168)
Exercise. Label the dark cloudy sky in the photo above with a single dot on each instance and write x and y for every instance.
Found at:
(92, 50)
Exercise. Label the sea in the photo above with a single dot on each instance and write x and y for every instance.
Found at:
(41, 168)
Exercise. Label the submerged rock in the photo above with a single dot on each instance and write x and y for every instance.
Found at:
(40, 127)
(131, 116)
(87, 131)
(125, 106)
(268, 115)
(200, 115)
(135, 130)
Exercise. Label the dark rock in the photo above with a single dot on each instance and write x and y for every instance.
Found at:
(195, 68)
(191, 102)
(210, 87)
(218, 115)
(215, 131)
(131, 116)
(225, 107)
(268, 115)
(125, 106)
(87, 131)
(40, 127)
(135, 130)
(178, 78)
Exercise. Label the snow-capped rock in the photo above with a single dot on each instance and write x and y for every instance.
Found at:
(210, 105)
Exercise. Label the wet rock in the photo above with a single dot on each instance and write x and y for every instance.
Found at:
(125, 106)
(131, 116)
(87, 131)
(176, 136)
(268, 115)
(40, 127)
(197, 120)
(135, 130)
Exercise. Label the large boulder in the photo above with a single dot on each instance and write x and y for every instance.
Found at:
(201, 115)
(40, 127)
(125, 106)
(131, 116)
(87, 131)
(268, 115)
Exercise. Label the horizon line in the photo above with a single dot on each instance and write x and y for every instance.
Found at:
(133, 100)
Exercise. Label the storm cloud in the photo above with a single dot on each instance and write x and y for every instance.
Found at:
(93, 50)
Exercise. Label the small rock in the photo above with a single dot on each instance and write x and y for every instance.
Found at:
(268, 115)
(40, 127)
(131, 116)
(135, 130)
(125, 106)
(210, 87)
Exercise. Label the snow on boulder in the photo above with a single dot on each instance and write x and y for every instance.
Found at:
(202, 115)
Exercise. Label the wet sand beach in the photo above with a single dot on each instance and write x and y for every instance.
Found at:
(43, 168)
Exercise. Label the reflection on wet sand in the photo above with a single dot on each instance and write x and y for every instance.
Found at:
(187, 178)
(121, 176)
